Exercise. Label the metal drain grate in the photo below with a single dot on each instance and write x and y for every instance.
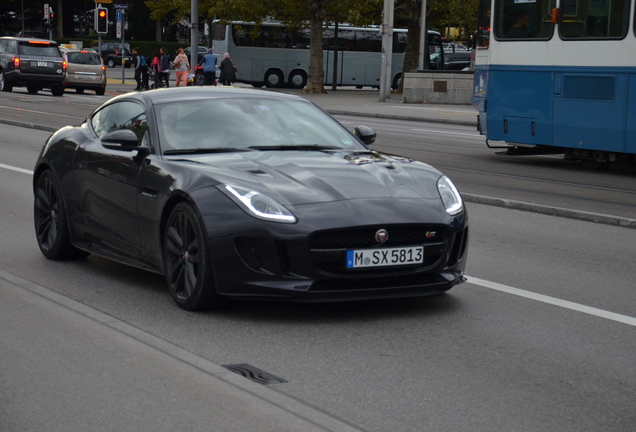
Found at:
(254, 374)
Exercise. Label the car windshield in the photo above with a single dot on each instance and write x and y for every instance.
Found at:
(256, 124)
(84, 58)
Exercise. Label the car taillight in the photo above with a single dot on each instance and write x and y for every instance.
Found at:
(116, 52)
(64, 65)
(103, 67)
(16, 63)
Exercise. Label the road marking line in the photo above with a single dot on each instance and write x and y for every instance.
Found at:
(21, 110)
(12, 168)
(554, 301)
(449, 133)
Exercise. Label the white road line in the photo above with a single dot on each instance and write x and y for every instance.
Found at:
(19, 110)
(449, 133)
(12, 168)
(554, 301)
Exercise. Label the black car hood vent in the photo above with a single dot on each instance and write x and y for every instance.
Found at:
(256, 171)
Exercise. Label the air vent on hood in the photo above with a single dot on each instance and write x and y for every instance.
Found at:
(256, 171)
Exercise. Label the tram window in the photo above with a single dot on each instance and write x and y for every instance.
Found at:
(594, 19)
(523, 19)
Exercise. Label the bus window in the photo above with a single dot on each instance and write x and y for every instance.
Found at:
(218, 31)
(524, 19)
(594, 19)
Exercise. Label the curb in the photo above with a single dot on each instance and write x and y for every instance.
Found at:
(551, 211)
(407, 118)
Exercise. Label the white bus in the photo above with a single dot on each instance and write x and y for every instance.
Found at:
(270, 54)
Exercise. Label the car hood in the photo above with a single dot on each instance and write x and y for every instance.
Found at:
(302, 177)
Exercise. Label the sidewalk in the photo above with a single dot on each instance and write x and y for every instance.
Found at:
(68, 367)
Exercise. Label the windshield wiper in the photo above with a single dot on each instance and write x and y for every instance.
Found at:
(202, 150)
(308, 147)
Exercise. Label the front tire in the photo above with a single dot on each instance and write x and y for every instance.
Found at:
(51, 228)
(187, 264)
(4, 86)
(274, 79)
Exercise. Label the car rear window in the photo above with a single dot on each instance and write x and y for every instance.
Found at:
(84, 58)
(39, 49)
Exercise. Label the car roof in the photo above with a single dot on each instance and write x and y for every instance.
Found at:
(196, 93)
(27, 39)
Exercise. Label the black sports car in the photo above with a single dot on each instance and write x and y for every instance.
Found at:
(236, 193)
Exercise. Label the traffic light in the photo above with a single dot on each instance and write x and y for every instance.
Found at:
(101, 20)
(51, 18)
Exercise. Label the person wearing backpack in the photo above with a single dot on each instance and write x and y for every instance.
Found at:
(139, 63)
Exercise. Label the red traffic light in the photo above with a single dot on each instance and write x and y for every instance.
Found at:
(102, 13)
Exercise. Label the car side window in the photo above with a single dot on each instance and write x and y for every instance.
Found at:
(7, 47)
(120, 115)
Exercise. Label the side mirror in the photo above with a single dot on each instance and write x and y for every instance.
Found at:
(122, 139)
(365, 134)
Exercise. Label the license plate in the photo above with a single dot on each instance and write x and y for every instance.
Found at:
(43, 64)
(385, 257)
(86, 77)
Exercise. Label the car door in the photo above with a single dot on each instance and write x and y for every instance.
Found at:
(107, 179)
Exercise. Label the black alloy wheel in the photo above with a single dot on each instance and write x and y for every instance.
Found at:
(51, 229)
(187, 264)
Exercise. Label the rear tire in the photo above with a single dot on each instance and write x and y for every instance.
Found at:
(298, 80)
(110, 63)
(100, 91)
(187, 263)
(51, 227)
(58, 90)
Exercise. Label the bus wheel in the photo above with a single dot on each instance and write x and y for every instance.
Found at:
(274, 79)
(397, 81)
(297, 80)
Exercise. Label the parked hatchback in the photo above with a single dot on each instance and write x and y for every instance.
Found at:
(31, 63)
(85, 71)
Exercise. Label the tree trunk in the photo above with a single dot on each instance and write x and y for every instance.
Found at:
(317, 13)
(413, 10)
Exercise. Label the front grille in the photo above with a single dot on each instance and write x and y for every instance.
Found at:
(399, 235)
(329, 248)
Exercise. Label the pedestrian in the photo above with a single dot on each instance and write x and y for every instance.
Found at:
(145, 67)
(155, 69)
(181, 67)
(137, 64)
(165, 66)
(209, 68)
(228, 70)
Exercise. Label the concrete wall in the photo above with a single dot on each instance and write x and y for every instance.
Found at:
(451, 87)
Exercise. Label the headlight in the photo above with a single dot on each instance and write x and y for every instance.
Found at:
(259, 205)
(450, 196)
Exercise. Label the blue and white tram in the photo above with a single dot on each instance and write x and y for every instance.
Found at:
(558, 76)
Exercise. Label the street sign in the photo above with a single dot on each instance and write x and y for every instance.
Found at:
(120, 6)
(118, 29)
(118, 15)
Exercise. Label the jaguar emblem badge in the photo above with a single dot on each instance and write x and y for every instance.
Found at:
(381, 236)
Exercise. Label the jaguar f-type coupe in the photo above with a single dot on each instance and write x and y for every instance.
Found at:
(247, 194)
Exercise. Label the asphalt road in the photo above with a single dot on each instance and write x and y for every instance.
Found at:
(541, 337)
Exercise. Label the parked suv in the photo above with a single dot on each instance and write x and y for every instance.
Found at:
(111, 53)
(31, 63)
